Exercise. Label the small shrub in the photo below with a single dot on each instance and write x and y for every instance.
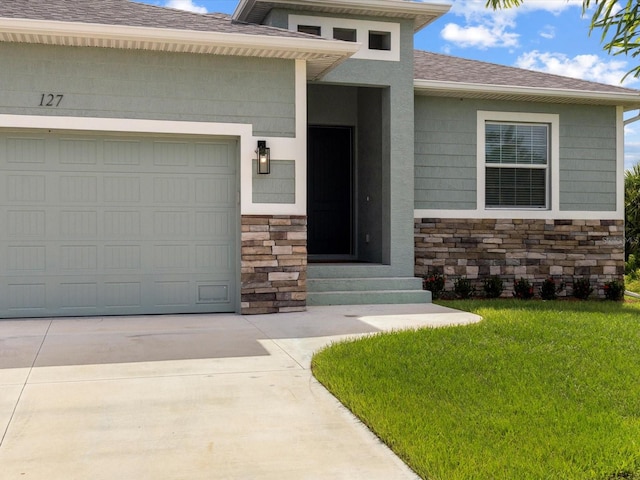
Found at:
(522, 289)
(582, 288)
(493, 287)
(614, 290)
(435, 284)
(549, 291)
(463, 288)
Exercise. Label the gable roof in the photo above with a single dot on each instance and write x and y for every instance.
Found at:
(443, 75)
(129, 25)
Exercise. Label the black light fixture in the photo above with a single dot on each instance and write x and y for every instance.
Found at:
(264, 157)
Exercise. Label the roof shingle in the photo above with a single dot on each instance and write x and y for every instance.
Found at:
(133, 14)
(445, 68)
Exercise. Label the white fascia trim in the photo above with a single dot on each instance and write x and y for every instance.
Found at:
(297, 47)
(434, 85)
(391, 6)
(518, 214)
(282, 149)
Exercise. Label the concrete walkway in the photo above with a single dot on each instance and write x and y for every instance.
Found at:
(189, 397)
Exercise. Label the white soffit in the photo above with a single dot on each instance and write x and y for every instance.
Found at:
(529, 94)
(254, 11)
(321, 55)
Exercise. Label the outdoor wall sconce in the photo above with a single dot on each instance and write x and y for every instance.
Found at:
(264, 158)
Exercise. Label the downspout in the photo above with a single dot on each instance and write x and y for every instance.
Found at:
(633, 119)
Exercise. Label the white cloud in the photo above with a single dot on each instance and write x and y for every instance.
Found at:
(473, 9)
(548, 32)
(187, 5)
(586, 67)
(480, 36)
(487, 28)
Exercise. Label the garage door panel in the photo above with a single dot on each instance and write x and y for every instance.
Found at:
(218, 258)
(23, 188)
(216, 156)
(24, 223)
(219, 191)
(74, 151)
(172, 190)
(24, 150)
(25, 258)
(25, 297)
(116, 225)
(218, 224)
(122, 189)
(122, 224)
(122, 152)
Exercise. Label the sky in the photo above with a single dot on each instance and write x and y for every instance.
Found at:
(546, 35)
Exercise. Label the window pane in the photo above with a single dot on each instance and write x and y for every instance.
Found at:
(379, 40)
(310, 29)
(510, 144)
(515, 187)
(516, 144)
(345, 34)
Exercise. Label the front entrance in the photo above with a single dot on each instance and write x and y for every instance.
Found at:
(330, 193)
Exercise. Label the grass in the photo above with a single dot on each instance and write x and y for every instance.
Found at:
(632, 284)
(537, 390)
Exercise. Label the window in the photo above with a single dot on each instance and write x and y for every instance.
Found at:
(376, 40)
(310, 29)
(345, 34)
(379, 40)
(517, 165)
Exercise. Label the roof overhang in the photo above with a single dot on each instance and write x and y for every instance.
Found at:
(321, 55)
(255, 11)
(438, 88)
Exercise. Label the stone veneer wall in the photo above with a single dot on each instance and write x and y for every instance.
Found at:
(515, 248)
(274, 264)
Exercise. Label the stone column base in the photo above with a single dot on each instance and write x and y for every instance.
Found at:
(274, 264)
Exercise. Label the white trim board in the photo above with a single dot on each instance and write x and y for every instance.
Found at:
(284, 148)
(519, 214)
(554, 169)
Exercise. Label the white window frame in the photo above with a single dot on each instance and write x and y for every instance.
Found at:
(553, 164)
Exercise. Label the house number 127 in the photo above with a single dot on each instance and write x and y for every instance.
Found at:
(50, 100)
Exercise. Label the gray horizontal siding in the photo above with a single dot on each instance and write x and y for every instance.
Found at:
(102, 82)
(277, 187)
(445, 136)
(588, 158)
(445, 153)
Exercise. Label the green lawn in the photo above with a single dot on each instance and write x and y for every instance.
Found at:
(537, 390)
(632, 285)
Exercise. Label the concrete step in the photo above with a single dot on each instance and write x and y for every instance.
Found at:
(369, 297)
(363, 284)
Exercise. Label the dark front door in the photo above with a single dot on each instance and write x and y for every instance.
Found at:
(329, 192)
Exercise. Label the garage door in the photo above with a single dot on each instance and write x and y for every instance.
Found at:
(111, 225)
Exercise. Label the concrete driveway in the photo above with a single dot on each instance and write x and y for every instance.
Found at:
(189, 397)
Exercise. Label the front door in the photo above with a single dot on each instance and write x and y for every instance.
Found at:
(330, 193)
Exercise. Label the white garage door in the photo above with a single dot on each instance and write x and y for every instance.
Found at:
(110, 225)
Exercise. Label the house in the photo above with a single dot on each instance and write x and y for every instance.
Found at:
(298, 152)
